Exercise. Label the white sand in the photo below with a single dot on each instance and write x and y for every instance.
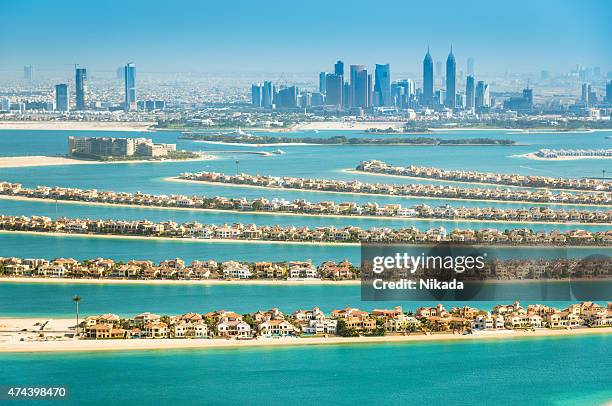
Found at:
(38, 160)
(76, 125)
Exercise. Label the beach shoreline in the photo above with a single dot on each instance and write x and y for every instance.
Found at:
(280, 213)
(204, 182)
(41, 160)
(493, 185)
(534, 157)
(15, 346)
(77, 125)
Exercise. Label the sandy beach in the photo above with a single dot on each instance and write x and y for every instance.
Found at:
(107, 281)
(534, 157)
(76, 125)
(10, 336)
(39, 160)
(348, 125)
(268, 213)
(497, 185)
(203, 182)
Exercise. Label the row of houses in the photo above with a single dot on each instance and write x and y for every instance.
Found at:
(176, 269)
(407, 189)
(345, 322)
(239, 231)
(506, 269)
(298, 206)
(511, 179)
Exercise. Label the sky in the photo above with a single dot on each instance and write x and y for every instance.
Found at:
(302, 36)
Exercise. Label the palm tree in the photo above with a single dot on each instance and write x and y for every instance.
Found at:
(76, 299)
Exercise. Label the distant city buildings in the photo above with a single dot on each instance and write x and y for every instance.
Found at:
(451, 80)
(80, 88)
(470, 66)
(470, 93)
(28, 72)
(428, 80)
(382, 85)
(130, 86)
(62, 98)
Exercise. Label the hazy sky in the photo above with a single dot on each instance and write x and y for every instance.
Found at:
(301, 36)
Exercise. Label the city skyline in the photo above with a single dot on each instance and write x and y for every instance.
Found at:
(198, 38)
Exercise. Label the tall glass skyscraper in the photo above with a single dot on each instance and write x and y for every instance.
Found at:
(359, 95)
(428, 80)
(339, 68)
(382, 85)
(62, 97)
(129, 74)
(470, 93)
(80, 84)
(334, 87)
(451, 77)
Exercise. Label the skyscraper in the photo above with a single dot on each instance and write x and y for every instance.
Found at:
(382, 85)
(339, 68)
(482, 95)
(256, 94)
(609, 92)
(470, 95)
(322, 78)
(267, 95)
(28, 72)
(61, 97)
(129, 75)
(334, 86)
(359, 94)
(586, 89)
(470, 66)
(428, 80)
(451, 76)
(80, 88)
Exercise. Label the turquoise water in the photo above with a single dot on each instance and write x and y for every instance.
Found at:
(54, 300)
(571, 371)
(551, 371)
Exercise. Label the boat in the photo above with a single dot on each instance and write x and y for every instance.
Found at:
(278, 152)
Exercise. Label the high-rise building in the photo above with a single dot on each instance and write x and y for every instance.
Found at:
(322, 79)
(428, 80)
(28, 72)
(609, 92)
(6, 104)
(339, 68)
(382, 85)
(528, 97)
(334, 86)
(470, 66)
(287, 97)
(482, 95)
(267, 95)
(257, 95)
(470, 93)
(129, 74)
(61, 97)
(586, 90)
(359, 94)
(80, 88)
(451, 77)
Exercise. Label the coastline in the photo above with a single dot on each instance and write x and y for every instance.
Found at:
(177, 179)
(77, 125)
(273, 213)
(41, 160)
(164, 343)
(234, 241)
(497, 185)
(347, 125)
(534, 157)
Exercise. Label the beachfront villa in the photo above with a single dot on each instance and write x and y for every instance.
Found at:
(304, 207)
(274, 323)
